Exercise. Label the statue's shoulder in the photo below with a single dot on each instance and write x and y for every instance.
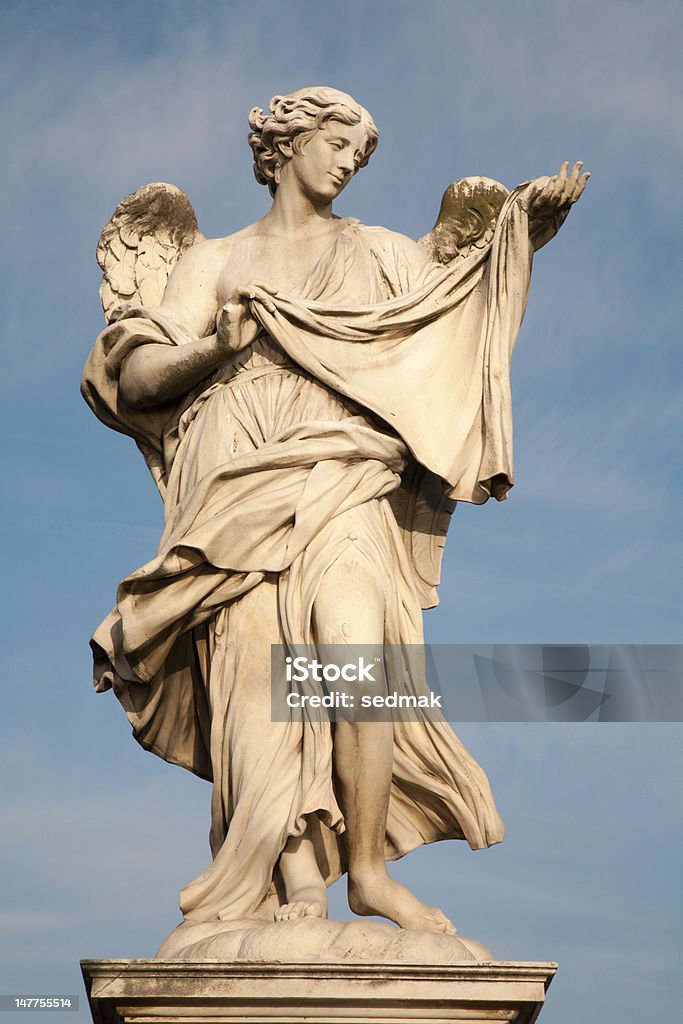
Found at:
(205, 261)
(212, 251)
(392, 245)
(207, 252)
(379, 231)
(382, 236)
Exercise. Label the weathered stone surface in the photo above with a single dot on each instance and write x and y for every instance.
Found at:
(312, 396)
(316, 940)
(154, 991)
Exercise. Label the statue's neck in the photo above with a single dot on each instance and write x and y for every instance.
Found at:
(295, 214)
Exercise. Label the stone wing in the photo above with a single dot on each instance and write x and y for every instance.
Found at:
(467, 219)
(141, 243)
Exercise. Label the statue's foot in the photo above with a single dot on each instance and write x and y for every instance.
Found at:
(380, 895)
(310, 901)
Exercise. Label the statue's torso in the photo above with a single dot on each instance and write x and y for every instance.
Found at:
(282, 263)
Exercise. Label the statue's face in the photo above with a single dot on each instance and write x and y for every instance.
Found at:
(328, 160)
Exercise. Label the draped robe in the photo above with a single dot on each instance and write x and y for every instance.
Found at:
(366, 408)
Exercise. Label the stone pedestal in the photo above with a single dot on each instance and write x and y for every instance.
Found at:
(170, 991)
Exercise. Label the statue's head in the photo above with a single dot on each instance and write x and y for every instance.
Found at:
(294, 119)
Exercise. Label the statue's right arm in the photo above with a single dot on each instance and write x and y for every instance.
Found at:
(154, 373)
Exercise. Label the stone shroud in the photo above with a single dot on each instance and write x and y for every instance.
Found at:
(156, 991)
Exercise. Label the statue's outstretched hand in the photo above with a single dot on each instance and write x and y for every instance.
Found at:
(236, 328)
(549, 200)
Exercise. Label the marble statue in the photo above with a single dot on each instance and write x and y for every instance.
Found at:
(312, 397)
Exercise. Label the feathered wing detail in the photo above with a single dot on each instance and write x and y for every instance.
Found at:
(139, 246)
(467, 219)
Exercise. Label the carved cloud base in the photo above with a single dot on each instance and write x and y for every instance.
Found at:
(314, 940)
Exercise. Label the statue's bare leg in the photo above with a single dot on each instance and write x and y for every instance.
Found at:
(304, 885)
(349, 609)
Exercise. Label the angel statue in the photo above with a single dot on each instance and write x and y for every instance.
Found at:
(312, 397)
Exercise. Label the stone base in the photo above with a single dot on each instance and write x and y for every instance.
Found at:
(212, 992)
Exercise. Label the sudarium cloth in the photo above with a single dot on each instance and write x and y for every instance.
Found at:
(367, 406)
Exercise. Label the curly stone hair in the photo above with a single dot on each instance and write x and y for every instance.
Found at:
(294, 119)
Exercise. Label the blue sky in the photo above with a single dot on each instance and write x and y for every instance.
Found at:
(99, 99)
